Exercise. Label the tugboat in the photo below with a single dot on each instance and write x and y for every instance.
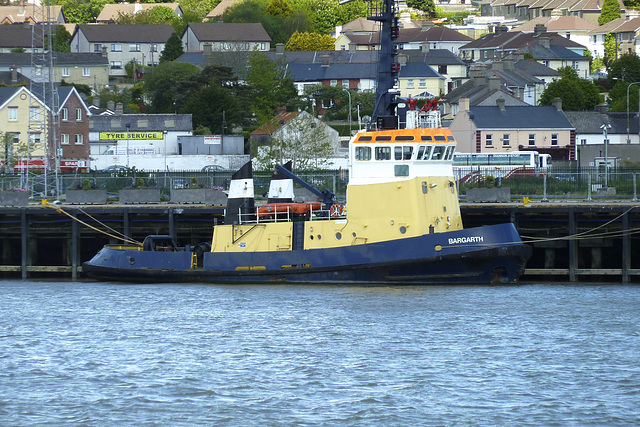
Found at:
(401, 223)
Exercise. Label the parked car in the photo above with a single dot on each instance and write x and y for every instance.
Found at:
(115, 168)
(213, 168)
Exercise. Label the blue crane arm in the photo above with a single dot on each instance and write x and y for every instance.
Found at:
(326, 195)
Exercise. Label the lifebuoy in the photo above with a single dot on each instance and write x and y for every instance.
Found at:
(336, 210)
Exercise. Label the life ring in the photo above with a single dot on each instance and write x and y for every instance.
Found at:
(336, 210)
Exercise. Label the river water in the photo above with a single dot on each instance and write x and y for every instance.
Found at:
(115, 354)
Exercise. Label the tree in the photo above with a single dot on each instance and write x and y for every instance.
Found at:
(82, 11)
(270, 86)
(576, 94)
(427, 6)
(610, 11)
(304, 141)
(61, 40)
(610, 48)
(169, 85)
(279, 8)
(626, 68)
(172, 49)
(310, 41)
(155, 16)
(210, 105)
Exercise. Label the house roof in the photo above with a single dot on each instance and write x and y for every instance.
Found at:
(101, 33)
(221, 31)
(19, 14)
(519, 117)
(631, 25)
(6, 79)
(62, 58)
(112, 11)
(557, 24)
(6, 93)
(316, 72)
(534, 68)
(608, 27)
(589, 122)
(280, 120)
(361, 25)
(182, 122)
(221, 8)
(434, 33)
(553, 53)
(15, 36)
(517, 40)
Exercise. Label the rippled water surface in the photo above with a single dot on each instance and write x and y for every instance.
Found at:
(112, 354)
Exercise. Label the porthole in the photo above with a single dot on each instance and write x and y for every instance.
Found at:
(403, 229)
(438, 248)
(311, 237)
(132, 260)
(319, 237)
(338, 236)
(353, 234)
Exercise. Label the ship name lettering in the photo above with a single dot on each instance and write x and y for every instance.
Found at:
(471, 239)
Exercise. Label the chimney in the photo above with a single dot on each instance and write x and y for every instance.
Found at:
(497, 66)
(494, 83)
(95, 101)
(545, 42)
(119, 109)
(14, 74)
(557, 102)
(427, 25)
(326, 60)
(539, 29)
(425, 46)
(402, 59)
(479, 81)
(509, 64)
(206, 49)
(602, 108)
(104, 51)
(279, 48)
(111, 105)
(353, 47)
(501, 29)
(500, 104)
(463, 104)
(137, 7)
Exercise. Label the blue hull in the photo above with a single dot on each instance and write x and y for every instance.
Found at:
(491, 254)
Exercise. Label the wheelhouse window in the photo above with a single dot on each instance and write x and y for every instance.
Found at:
(383, 153)
(401, 170)
(449, 153)
(424, 152)
(402, 153)
(363, 153)
(438, 153)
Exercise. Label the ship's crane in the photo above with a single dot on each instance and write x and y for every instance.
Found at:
(326, 195)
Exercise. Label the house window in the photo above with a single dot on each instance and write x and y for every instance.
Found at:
(488, 140)
(15, 138)
(66, 72)
(334, 83)
(442, 69)
(345, 84)
(554, 139)
(86, 71)
(532, 139)
(97, 47)
(410, 84)
(134, 47)
(38, 71)
(423, 83)
(576, 65)
(263, 46)
(13, 114)
(583, 142)
(116, 65)
(79, 139)
(64, 139)
(154, 47)
(506, 140)
(116, 47)
(64, 114)
(224, 46)
(34, 113)
(327, 103)
(78, 114)
(545, 63)
(34, 138)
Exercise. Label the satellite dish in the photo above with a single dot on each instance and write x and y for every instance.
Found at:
(366, 119)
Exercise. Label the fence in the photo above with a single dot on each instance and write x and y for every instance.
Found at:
(586, 183)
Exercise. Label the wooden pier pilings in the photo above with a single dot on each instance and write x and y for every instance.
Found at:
(572, 241)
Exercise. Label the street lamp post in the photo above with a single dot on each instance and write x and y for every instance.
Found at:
(628, 87)
(348, 93)
(605, 127)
